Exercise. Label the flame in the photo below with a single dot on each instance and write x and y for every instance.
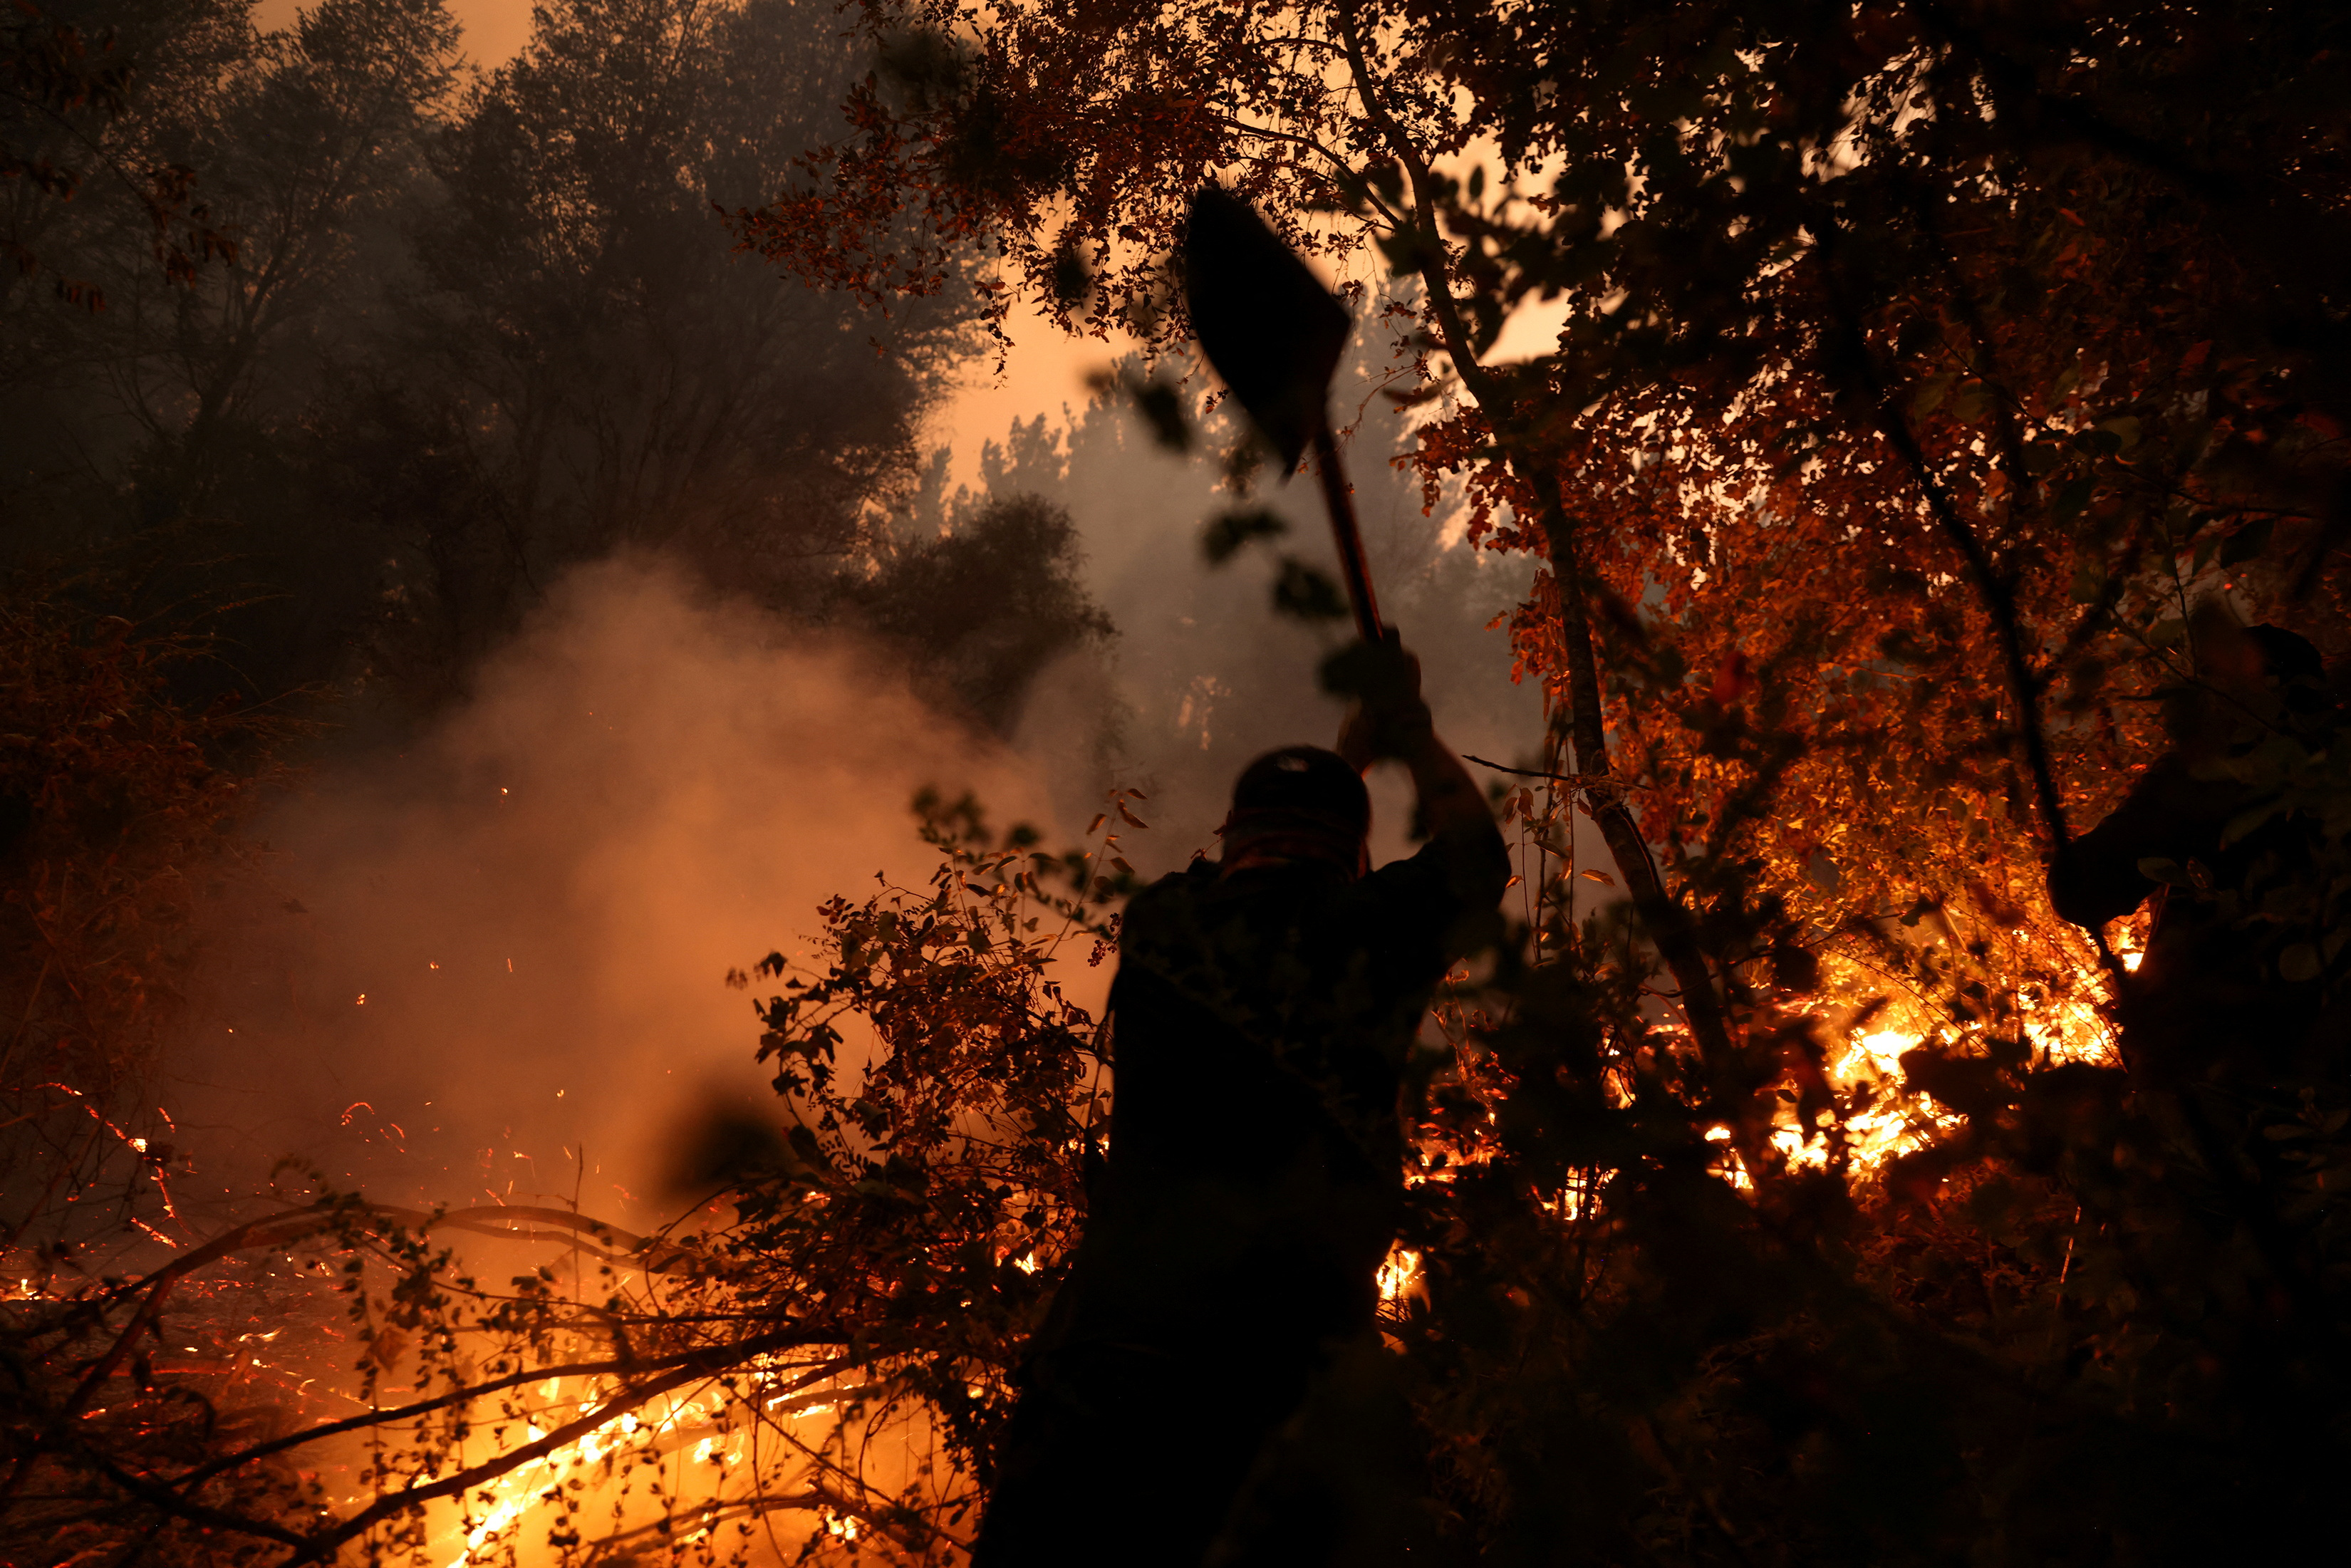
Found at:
(546, 1478)
(1400, 1274)
(1894, 1120)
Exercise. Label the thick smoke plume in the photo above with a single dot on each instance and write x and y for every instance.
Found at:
(539, 900)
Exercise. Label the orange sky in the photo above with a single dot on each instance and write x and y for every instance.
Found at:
(1045, 370)
(495, 29)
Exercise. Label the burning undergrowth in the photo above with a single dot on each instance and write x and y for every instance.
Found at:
(829, 1342)
(814, 1362)
(1921, 1235)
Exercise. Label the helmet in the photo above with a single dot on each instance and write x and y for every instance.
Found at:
(1300, 802)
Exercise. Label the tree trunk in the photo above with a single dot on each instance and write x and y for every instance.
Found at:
(1668, 922)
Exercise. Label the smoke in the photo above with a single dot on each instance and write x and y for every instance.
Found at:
(1204, 673)
(649, 786)
(492, 966)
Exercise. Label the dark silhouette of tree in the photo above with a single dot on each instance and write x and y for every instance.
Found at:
(1959, 302)
(1922, 370)
(472, 331)
(608, 372)
(987, 605)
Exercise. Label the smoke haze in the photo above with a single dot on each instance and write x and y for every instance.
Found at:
(652, 783)
(1204, 673)
(539, 899)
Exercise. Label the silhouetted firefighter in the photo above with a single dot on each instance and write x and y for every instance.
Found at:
(1265, 1005)
(2217, 831)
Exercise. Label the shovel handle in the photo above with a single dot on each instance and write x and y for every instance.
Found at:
(1343, 533)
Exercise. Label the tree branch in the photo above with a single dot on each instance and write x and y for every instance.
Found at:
(759, 1346)
(322, 1547)
(1851, 362)
(1668, 921)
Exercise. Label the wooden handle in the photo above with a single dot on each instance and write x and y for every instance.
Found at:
(1342, 504)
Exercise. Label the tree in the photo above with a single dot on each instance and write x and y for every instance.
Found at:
(986, 604)
(1927, 373)
(70, 82)
(606, 375)
(1919, 290)
(383, 423)
(1201, 678)
(1919, 425)
(151, 432)
(113, 797)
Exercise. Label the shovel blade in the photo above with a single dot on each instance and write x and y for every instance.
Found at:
(1265, 321)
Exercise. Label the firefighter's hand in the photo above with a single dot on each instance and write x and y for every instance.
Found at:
(1388, 718)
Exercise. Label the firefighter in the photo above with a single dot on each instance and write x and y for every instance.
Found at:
(1265, 1006)
(2209, 998)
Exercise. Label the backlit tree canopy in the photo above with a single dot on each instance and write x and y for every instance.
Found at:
(1922, 366)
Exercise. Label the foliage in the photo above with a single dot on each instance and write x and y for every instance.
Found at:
(1924, 374)
(1687, 1306)
(69, 86)
(114, 800)
(1930, 380)
(474, 329)
(1907, 352)
(1666, 1303)
(985, 605)
(834, 1339)
(605, 373)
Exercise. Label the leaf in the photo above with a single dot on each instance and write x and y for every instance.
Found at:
(1305, 593)
(1163, 410)
(1225, 535)
(1599, 877)
(2246, 542)
(2245, 822)
(2071, 500)
(2089, 580)
(2299, 963)
(1425, 392)
(1073, 280)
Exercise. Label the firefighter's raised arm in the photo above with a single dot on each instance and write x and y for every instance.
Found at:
(1390, 721)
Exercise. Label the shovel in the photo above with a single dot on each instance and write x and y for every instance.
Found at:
(1274, 333)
